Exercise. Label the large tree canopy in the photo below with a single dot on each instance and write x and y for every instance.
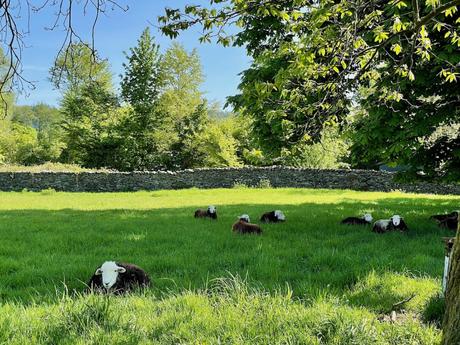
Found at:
(312, 58)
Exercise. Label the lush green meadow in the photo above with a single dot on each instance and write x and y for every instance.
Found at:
(309, 280)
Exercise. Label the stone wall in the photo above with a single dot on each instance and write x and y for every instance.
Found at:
(214, 178)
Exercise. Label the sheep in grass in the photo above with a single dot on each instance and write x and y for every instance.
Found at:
(442, 217)
(448, 221)
(242, 226)
(211, 212)
(364, 220)
(118, 278)
(273, 217)
(386, 225)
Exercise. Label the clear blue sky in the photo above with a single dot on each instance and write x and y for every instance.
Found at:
(117, 32)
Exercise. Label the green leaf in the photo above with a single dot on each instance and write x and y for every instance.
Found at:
(396, 48)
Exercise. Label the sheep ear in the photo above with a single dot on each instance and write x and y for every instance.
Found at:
(121, 270)
(98, 272)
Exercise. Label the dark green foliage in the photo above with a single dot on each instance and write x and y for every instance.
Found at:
(91, 122)
(141, 83)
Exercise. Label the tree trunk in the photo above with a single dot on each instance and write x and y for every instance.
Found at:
(451, 323)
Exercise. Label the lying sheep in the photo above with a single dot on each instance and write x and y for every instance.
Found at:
(448, 221)
(211, 212)
(392, 224)
(273, 217)
(442, 217)
(118, 278)
(364, 220)
(242, 226)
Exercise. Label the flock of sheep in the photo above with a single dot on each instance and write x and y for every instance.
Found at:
(118, 277)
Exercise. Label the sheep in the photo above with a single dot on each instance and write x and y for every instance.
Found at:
(386, 225)
(364, 220)
(211, 212)
(448, 221)
(273, 217)
(118, 278)
(242, 226)
(442, 217)
(245, 218)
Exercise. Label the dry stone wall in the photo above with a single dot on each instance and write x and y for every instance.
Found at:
(364, 180)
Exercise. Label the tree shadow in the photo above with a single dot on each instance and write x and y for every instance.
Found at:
(43, 250)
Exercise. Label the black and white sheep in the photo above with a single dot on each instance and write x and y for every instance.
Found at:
(392, 224)
(211, 212)
(448, 221)
(243, 226)
(273, 217)
(364, 220)
(118, 278)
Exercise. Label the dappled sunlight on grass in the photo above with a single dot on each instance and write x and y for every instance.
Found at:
(52, 242)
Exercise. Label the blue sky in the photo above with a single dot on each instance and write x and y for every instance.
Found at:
(117, 32)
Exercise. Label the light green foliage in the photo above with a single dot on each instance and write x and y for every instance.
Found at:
(17, 142)
(217, 144)
(341, 279)
(326, 154)
(79, 66)
(46, 121)
(182, 76)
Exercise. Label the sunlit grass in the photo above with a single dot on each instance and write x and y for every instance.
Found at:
(307, 268)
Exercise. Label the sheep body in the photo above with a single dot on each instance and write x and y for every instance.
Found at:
(211, 212)
(243, 227)
(273, 217)
(364, 220)
(128, 278)
(387, 225)
(447, 221)
(443, 217)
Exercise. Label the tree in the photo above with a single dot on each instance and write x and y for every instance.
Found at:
(91, 123)
(182, 105)
(312, 57)
(451, 322)
(182, 77)
(46, 121)
(141, 83)
(77, 66)
(217, 145)
(17, 143)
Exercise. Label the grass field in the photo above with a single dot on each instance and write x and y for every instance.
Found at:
(307, 281)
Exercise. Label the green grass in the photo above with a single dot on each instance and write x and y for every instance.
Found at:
(307, 281)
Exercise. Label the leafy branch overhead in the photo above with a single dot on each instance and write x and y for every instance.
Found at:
(397, 61)
(333, 46)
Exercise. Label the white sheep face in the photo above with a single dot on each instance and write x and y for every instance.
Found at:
(212, 209)
(396, 220)
(368, 217)
(109, 271)
(245, 217)
(280, 215)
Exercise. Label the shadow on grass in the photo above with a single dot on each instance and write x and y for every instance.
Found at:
(41, 250)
